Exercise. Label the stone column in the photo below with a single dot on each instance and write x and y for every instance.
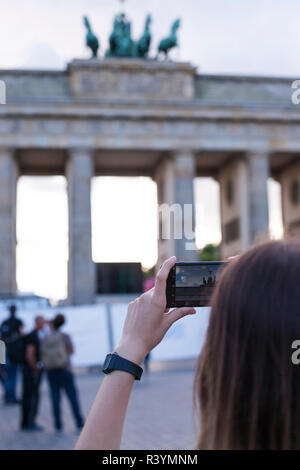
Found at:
(175, 183)
(244, 203)
(81, 269)
(8, 185)
(290, 195)
(258, 171)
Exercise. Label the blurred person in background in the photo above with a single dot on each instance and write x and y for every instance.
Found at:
(12, 334)
(2, 374)
(32, 374)
(2, 378)
(247, 387)
(57, 348)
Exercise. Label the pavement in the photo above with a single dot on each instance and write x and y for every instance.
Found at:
(160, 413)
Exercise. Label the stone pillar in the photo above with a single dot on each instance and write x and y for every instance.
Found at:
(81, 269)
(290, 195)
(244, 203)
(8, 185)
(175, 184)
(258, 171)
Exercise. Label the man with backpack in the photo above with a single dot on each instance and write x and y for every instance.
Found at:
(57, 348)
(12, 334)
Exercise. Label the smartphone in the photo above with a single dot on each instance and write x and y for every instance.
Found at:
(192, 284)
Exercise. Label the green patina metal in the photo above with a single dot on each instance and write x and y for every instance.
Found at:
(142, 46)
(91, 40)
(170, 42)
(121, 43)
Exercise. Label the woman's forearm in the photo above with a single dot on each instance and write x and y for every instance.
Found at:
(103, 429)
(104, 426)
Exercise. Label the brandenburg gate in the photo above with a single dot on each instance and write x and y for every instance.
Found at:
(118, 116)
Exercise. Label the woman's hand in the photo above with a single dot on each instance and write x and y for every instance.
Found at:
(147, 319)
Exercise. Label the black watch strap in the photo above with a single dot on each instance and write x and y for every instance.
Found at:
(115, 362)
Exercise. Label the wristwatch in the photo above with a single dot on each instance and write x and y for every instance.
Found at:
(115, 362)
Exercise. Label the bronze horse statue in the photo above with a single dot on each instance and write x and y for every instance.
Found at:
(142, 46)
(170, 42)
(91, 40)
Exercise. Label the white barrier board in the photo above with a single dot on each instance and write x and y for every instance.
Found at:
(89, 330)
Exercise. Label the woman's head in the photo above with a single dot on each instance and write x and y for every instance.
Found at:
(246, 384)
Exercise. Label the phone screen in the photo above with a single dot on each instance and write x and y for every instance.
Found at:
(192, 284)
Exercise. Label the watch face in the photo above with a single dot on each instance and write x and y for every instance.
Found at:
(107, 361)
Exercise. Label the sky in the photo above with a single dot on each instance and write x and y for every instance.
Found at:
(257, 37)
(249, 37)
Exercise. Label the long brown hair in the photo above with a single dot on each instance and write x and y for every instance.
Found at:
(247, 388)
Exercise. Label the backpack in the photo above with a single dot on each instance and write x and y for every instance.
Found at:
(54, 351)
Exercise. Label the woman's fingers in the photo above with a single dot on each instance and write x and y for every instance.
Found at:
(178, 313)
(162, 275)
